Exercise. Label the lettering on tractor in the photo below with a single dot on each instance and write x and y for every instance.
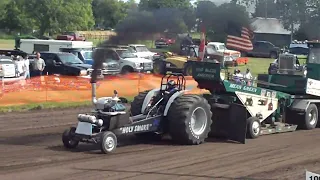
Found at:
(136, 128)
(244, 88)
(208, 73)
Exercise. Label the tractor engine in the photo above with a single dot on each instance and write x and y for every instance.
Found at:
(109, 105)
(90, 119)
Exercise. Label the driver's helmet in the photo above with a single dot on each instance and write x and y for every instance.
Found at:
(171, 84)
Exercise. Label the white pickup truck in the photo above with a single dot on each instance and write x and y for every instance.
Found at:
(220, 49)
(142, 51)
(129, 62)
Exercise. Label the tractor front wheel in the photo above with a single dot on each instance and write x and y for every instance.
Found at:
(189, 119)
(67, 138)
(108, 142)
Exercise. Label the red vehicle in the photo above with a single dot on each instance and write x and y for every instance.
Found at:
(71, 36)
(164, 42)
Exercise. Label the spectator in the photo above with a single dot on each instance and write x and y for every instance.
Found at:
(38, 65)
(20, 65)
(249, 78)
(26, 66)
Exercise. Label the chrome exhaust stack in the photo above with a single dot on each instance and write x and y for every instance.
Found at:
(98, 57)
(94, 93)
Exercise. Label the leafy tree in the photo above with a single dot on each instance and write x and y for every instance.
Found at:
(108, 13)
(218, 19)
(206, 11)
(3, 10)
(60, 15)
(266, 8)
(157, 4)
(15, 19)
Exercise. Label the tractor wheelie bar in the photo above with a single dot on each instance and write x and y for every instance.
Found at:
(187, 118)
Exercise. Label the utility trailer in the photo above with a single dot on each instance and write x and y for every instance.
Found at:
(281, 102)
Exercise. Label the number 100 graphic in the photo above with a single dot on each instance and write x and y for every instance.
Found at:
(312, 176)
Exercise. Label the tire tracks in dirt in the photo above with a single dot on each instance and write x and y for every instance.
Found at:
(33, 150)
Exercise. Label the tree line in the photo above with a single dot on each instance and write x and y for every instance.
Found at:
(154, 16)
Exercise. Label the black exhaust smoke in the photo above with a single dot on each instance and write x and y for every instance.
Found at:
(139, 26)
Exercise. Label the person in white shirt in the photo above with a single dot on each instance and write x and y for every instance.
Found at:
(20, 65)
(26, 66)
(248, 76)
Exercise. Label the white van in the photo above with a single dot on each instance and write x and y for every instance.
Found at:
(31, 45)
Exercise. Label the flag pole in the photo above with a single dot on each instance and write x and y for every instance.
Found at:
(202, 43)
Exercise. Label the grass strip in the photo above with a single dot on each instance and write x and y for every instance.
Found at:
(47, 105)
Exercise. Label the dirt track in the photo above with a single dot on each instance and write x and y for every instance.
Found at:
(31, 148)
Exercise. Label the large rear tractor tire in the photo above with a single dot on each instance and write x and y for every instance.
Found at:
(136, 107)
(189, 120)
(136, 104)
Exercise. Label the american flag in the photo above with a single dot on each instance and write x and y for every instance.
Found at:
(240, 40)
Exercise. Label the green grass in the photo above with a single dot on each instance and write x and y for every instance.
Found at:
(256, 66)
(9, 43)
(47, 105)
(6, 44)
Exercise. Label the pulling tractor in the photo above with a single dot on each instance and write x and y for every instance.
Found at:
(166, 110)
(280, 102)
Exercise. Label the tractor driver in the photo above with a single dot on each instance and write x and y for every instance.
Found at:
(171, 89)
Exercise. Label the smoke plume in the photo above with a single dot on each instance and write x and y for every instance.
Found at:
(143, 25)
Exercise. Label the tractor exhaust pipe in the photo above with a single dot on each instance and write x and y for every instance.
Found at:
(97, 66)
(94, 93)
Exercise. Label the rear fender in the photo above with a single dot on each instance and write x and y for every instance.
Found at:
(148, 98)
(171, 99)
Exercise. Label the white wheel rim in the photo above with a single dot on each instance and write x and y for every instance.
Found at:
(312, 117)
(198, 121)
(109, 144)
(255, 128)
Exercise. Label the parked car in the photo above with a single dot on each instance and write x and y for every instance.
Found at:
(8, 68)
(164, 42)
(71, 36)
(300, 49)
(64, 64)
(264, 49)
(142, 51)
(85, 55)
(129, 62)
